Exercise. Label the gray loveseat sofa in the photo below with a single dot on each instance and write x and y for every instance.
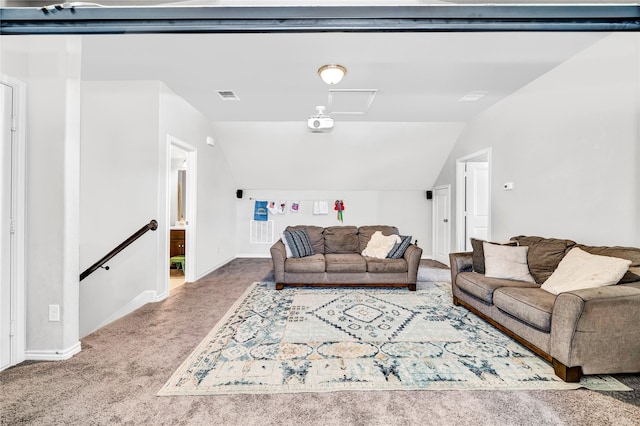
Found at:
(337, 260)
(587, 331)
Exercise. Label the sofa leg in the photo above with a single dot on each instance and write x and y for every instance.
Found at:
(568, 374)
(412, 287)
(279, 286)
(455, 301)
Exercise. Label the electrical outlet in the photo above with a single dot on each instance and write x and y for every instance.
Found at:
(54, 312)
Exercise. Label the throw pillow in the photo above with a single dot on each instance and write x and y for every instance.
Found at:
(478, 253)
(579, 269)
(286, 246)
(506, 262)
(379, 245)
(299, 243)
(399, 248)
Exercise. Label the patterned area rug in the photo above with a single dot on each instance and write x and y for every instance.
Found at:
(321, 340)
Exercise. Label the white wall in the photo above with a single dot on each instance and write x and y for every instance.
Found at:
(569, 142)
(118, 196)
(124, 153)
(409, 211)
(215, 242)
(51, 72)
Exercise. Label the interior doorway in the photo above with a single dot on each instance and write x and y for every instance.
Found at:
(473, 203)
(442, 223)
(12, 185)
(180, 213)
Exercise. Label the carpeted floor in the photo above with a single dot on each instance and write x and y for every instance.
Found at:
(114, 380)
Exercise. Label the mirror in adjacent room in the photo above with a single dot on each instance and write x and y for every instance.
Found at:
(181, 197)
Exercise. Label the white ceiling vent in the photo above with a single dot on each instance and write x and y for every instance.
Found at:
(473, 96)
(228, 95)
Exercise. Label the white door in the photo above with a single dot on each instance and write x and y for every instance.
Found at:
(477, 202)
(6, 113)
(441, 223)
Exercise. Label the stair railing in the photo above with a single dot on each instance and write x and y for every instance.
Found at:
(151, 226)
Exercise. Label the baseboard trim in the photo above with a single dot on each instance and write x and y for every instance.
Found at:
(53, 355)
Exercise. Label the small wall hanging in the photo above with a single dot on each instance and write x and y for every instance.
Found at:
(339, 207)
(320, 207)
(272, 207)
(260, 212)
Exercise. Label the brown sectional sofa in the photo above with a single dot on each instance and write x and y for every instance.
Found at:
(587, 331)
(337, 260)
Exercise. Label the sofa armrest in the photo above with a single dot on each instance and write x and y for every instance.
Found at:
(278, 256)
(412, 255)
(597, 329)
(460, 262)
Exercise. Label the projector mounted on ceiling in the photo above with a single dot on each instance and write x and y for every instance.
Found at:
(320, 122)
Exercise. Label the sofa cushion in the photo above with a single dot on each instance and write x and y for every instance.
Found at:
(315, 233)
(483, 287)
(341, 239)
(314, 263)
(478, 253)
(298, 242)
(580, 269)
(630, 253)
(365, 233)
(386, 265)
(399, 248)
(544, 254)
(506, 262)
(380, 245)
(347, 262)
(530, 305)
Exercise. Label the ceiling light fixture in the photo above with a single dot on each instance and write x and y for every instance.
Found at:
(332, 73)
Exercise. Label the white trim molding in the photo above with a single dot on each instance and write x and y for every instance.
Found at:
(18, 175)
(483, 155)
(164, 197)
(53, 354)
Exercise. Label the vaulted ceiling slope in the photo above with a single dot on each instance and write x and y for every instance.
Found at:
(411, 125)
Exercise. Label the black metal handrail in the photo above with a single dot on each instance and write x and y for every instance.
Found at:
(151, 226)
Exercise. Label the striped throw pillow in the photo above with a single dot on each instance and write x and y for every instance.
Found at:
(399, 248)
(298, 242)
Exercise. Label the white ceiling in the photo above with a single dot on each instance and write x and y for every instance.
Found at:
(419, 78)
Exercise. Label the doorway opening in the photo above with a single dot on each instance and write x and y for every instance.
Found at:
(441, 223)
(473, 201)
(180, 214)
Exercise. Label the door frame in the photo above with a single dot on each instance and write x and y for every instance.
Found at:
(484, 156)
(165, 215)
(18, 258)
(447, 233)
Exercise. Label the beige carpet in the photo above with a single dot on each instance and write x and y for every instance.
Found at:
(115, 378)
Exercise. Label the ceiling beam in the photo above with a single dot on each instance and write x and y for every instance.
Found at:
(218, 19)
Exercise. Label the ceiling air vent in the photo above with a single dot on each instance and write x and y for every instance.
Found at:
(228, 95)
(473, 96)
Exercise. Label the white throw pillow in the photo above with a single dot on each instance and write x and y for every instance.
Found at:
(506, 262)
(380, 245)
(579, 269)
(286, 246)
